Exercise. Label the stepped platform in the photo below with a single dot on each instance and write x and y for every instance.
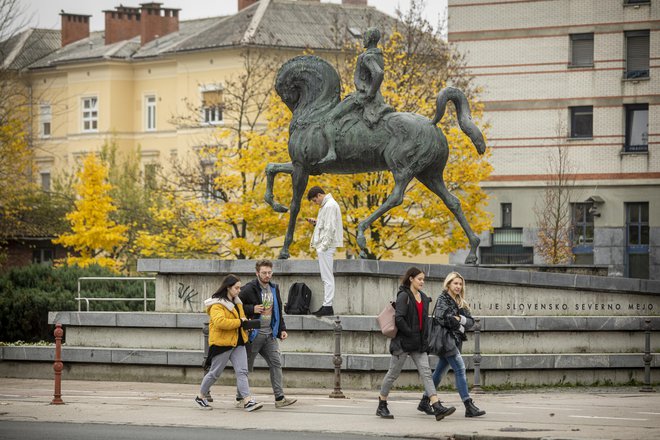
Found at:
(515, 350)
(536, 328)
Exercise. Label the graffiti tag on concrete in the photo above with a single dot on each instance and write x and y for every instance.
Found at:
(186, 294)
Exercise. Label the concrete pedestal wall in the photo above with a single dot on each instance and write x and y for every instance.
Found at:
(363, 287)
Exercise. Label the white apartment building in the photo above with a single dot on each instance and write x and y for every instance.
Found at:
(583, 77)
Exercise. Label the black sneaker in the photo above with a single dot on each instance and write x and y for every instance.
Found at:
(208, 397)
(324, 311)
(202, 403)
(252, 405)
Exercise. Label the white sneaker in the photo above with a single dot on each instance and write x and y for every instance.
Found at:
(284, 402)
(252, 405)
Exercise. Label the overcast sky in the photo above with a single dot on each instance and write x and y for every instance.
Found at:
(45, 13)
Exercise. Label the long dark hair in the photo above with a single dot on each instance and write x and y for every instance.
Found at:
(410, 273)
(227, 282)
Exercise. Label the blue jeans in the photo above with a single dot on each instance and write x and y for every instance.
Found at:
(456, 363)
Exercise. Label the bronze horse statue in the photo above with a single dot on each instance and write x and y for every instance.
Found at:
(407, 144)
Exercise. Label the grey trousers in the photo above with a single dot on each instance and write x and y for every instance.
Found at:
(238, 358)
(269, 349)
(421, 361)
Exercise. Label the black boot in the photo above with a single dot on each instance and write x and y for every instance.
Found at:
(425, 406)
(382, 410)
(471, 409)
(441, 412)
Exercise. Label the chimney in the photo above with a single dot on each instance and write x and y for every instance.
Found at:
(157, 21)
(354, 2)
(75, 27)
(122, 24)
(242, 4)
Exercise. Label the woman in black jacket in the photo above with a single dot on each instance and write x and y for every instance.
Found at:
(453, 312)
(412, 309)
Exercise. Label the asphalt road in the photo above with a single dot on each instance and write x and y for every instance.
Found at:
(88, 431)
(158, 410)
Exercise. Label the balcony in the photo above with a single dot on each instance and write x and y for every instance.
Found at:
(507, 248)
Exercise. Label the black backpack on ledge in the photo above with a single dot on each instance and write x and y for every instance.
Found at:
(299, 300)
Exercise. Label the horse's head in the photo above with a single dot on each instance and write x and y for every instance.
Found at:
(308, 84)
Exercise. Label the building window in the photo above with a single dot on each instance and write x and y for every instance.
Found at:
(212, 106)
(45, 119)
(506, 215)
(637, 127)
(582, 50)
(583, 224)
(150, 112)
(150, 174)
(582, 232)
(638, 224)
(582, 121)
(637, 240)
(635, 2)
(637, 54)
(45, 181)
(43, 256)
(90, 114)
(209, 174)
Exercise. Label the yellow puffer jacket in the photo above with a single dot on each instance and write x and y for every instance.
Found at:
(225, 321)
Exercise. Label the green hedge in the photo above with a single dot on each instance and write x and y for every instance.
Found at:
(27, 295)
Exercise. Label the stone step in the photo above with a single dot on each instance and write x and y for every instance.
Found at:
(360, 334)
(323, 361)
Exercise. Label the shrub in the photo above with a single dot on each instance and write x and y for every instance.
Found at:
(27, 294)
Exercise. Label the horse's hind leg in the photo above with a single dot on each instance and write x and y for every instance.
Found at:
(394, 199)
(433, 181)
(299, 178)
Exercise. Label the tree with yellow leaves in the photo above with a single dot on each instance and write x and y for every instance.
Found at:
(214, 206)
(94, 234)
(418, 64)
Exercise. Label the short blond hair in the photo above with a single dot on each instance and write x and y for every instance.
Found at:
(461, 296)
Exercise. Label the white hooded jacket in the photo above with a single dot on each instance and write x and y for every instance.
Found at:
(329, 231)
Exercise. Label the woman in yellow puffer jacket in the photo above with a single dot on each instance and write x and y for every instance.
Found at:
(227, 339)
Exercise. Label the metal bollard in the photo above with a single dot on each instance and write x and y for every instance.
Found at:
(336, 360)
(648, 357)
(58, 366)
(476, 388)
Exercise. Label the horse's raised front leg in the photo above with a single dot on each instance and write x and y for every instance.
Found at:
(434, 182)
(299, 178)
(272, 170)
(394, 199)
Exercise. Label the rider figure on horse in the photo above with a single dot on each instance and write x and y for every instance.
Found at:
(369, 74)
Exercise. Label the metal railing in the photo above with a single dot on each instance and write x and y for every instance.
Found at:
(647, 355)
(145, 299)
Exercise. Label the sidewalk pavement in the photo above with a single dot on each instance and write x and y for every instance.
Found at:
(603, 413)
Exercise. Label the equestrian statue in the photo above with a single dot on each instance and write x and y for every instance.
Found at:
(363, 134)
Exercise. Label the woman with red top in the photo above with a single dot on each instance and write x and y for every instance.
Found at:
(411, 317)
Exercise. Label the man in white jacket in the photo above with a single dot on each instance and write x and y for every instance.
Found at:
(328, 236)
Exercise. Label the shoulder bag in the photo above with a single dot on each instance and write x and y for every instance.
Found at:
(386, 320)
(438, 337)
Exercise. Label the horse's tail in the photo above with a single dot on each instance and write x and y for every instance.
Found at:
(464, 116)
